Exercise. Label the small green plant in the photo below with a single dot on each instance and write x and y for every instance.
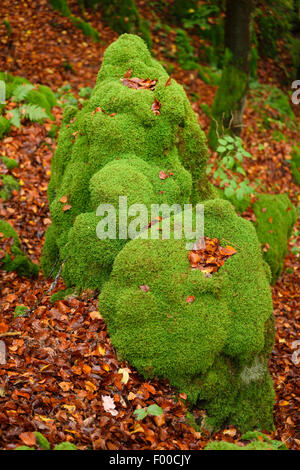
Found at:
(21, 311)
(152, 410)
(66, 97)
(43, 443)
(231, 153)
(23, 101)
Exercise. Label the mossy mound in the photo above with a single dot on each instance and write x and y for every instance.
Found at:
(10, 163)
(259, 441)
(214, 348)
(12, 256)
(7, 185)
(275, 218)
(295, 164)
(117, 146)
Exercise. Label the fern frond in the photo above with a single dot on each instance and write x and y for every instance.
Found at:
(33, 112)
(21, 91)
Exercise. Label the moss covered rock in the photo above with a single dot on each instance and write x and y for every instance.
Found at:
(215, 348)
(12, 257)
(138, 137)
(295, 164)
(275, 218)
(117, 146)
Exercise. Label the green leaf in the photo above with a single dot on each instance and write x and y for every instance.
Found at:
(16, 117)
(21, 91)
(20, 311)
(241, 170)
(228, 161)
(140, 413)
(42, 441)
(221, 149)
(65, 446)
(33, 112)
(229, 191)
(222, 142)
(228, 138)
(155, 410)
(240, 194)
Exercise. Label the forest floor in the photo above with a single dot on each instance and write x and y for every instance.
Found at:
(60, 359)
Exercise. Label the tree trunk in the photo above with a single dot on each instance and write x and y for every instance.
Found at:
(231, 96)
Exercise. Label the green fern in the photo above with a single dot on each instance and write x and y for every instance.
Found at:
(21, 91)
(16, 117)
(33, 112)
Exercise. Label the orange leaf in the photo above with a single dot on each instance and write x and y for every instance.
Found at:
(28, 438)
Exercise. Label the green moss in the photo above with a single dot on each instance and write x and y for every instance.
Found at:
(230, 93)
(10, 163)
(295, 164)
(259, 441)
(95, 151)
(15, 259)
(61, 294)
(44, 98)
(9, 184)
(4, 126)
(219, 361)
(214, 349)
(275, 218)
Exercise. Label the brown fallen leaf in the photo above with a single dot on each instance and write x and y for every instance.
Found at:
(156, 106)
(28, 438)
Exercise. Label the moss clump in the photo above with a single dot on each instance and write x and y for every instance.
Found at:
(116, 146)
(295, 164)
(230, 94)
(8, 185)
(4, 126)
(214, 349)
(10, 163)
(259, 441)
(12, 257)
(61, 294)
(275, 218)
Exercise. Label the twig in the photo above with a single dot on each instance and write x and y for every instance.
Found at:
(10, 333)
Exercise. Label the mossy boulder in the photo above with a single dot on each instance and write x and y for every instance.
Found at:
(275, 218)
(295, 164)
(12, 257)
(214, 349)
(138, 137)
(117, 146)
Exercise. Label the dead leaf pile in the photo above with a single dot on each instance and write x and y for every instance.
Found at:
(211, 257)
